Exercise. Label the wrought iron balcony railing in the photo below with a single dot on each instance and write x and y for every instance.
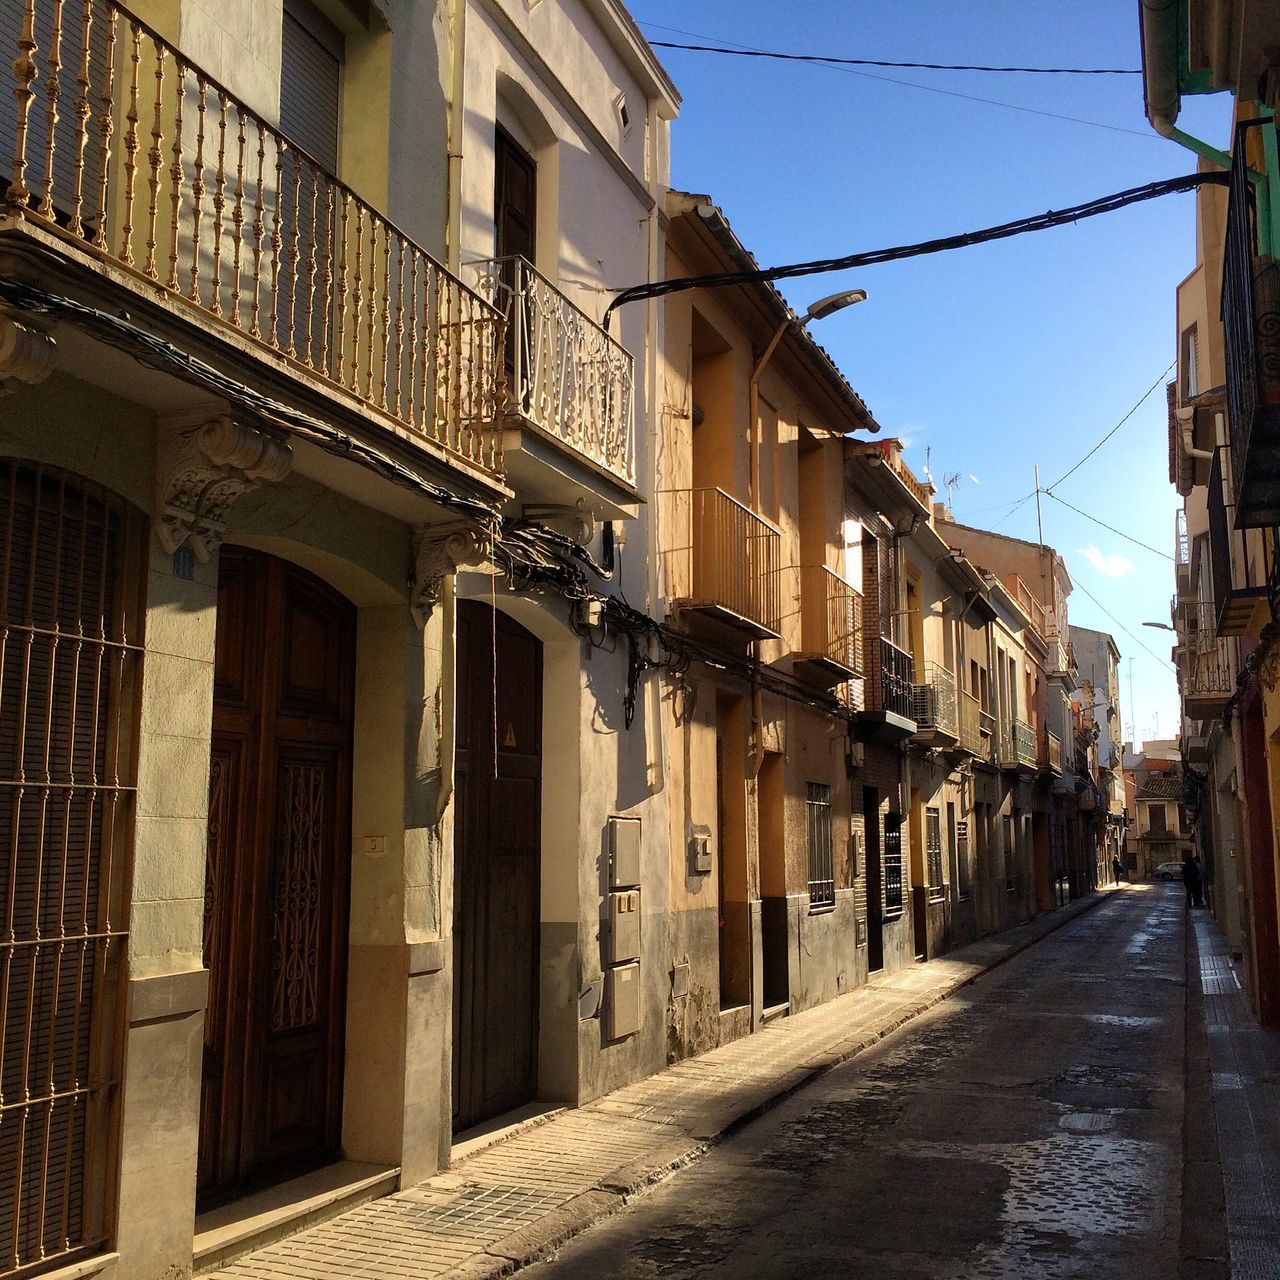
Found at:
(1051, 757)
(896, 679)
(971, 738)
(933, 704)
(567, 378)
(1251, 336)
(115, 143)
(737, 561)
(1238, 559)
(1017, 744)
(1207, 674)
(831, 620)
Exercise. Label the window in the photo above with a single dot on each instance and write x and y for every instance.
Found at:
(893, 888)
(1190, 364)
(1157, 822)
(933, 850)
(963, 871)
(70, 609)
(1010, 854)
(311, 82)
(822, 884)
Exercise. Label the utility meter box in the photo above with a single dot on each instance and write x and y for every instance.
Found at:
(624, 852)
(624, 926)
(700, 850)
(622, 1001)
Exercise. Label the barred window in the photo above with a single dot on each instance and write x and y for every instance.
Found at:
(963, 869)
(822, 884)
(893, 888)
(933, 850)
(70, 622)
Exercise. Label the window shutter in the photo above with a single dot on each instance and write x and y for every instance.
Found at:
(310, 83)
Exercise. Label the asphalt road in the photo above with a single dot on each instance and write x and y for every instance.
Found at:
(1030, 1126)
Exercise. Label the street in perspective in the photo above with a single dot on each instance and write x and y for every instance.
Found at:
(639, 638)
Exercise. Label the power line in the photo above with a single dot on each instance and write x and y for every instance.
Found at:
(822, 266)
(1110, 528)
(1113, 430)
(826, 59)
(1164, 662)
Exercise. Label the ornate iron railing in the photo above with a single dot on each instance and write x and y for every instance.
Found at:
(1052, 757)
(971, 724)
(933, 703)
(737, 558)
(567, 377)
(1024, 742)
(1251, 334)
(831, 618)
(896, 679)
(118, 144)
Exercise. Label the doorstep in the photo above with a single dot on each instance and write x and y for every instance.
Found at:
(500, 1128)
(234, 1229)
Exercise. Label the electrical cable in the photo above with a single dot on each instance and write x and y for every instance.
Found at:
(1158, 382)
(745, 51)
(822, 266)
(1110, 528)
(1164, 662)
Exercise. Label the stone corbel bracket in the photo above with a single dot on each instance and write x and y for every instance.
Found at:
(439, 551)
(26, 354)
(203, 471)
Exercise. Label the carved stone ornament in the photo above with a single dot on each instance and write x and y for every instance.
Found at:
(203, 471)
(439, 551)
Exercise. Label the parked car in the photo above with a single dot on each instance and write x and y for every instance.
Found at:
(1169, 871)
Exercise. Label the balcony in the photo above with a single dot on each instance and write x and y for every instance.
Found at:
(1182, 557)
(570, 407)
(934, 708)
(1239, 580)
(889, 689)
(1251, 334)
(1208, 676)
(737, 558)
(1051, 752)
(830, 625)
(146, 178)
(971, 736)
(1028, 603)
(1016, 749)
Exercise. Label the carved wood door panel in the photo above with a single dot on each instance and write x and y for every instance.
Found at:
(278, 871)
(497, 864)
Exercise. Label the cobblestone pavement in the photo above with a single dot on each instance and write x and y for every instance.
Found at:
(510, 1203)
(1031, 1126)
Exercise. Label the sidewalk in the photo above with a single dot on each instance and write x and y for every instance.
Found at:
(1244, 1062)
(503, 1207)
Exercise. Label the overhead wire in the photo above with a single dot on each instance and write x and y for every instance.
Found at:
(1002, 231)
(1164, 662)
(1120, 533)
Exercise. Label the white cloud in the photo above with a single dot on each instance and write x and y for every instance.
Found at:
(974, 478)
(1114, 566)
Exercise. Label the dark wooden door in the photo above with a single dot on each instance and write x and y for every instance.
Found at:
(278, 875)
(515, 198)
(497, 852)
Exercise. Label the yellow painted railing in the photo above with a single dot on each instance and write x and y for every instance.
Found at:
(737, 559)
(831, 618)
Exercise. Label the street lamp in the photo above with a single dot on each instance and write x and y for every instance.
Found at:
(819, 310)
(1160, 626)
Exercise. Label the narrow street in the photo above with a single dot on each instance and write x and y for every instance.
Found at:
(1031, 1125)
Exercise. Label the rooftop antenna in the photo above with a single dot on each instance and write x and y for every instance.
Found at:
(950, 483)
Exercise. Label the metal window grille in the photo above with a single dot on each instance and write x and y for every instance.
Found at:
(933, 850)
(70, 618)
(822, 884)
(1010, 855)
(893, 888)
(963, 870)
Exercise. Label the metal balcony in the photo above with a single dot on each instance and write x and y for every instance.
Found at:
(737, 558)
(889, 687)
(570, 394)
(1251, 335)
(830, 625)
(1208, 675)
(896, 680)
(151, 177)
(1051, 752)
(970, 725)
(1239, 580)
(934, 709)
(1017, 746)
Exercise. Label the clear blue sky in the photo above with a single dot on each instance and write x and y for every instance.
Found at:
(995, 358)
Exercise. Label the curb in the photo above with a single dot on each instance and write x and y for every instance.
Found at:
(537, 1242)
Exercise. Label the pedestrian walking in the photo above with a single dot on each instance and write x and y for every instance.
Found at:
(1191, 877)
(1199, 880)
(1118, 867)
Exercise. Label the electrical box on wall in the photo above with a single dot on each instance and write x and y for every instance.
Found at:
(624, 852)
(622, 1001)
(860, 933)
(624, 926)
(700, 850)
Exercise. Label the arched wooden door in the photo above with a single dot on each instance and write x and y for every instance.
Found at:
(278, 874)
(497, 852)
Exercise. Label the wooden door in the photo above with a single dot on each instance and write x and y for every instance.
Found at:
(278, 874)
(515, 198)
(497, 853)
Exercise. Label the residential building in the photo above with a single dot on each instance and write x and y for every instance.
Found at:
(1098, 667)
(1164, 832)
(1223, 460)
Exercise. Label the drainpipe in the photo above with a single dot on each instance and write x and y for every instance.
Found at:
(448, 693)
(1186, 426)
(453, 197)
